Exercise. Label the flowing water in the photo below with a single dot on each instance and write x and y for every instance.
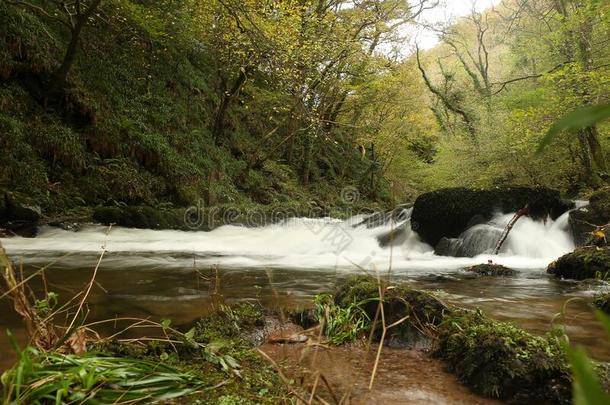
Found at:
(175, 274)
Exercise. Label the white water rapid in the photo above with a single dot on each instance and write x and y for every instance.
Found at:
(298, 243)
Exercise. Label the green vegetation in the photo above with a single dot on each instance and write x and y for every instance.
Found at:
(492, 270)
(583, 263)
(341, 324)
(602, 301)
(214, 362)
(39, 378)
(588, 388)
(172, 102)
(500, 360)
(494, 358)
(163, 104)
(222, 354)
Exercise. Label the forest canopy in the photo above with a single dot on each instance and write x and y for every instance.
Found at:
(267, 101)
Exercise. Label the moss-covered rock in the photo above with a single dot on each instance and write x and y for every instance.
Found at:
(585, 220)
(494, 358)
(419, 309)
(141, 217)
(602, 301)
(490, 269)
(227, 361)
(583, 263)
(236, 323)
(449, 212)
(500, 360)
(400, 299)
(18, 214)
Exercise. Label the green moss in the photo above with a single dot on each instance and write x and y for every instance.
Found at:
(252, 381)
(492, 270)
(602, 301)
(494, 358)
(230, 323)
(417, 309)
(583, 263)
(498, 359)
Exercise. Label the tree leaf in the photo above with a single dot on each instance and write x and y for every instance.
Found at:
(580, 118)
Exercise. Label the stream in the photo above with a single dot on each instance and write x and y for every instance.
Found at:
(176, 275)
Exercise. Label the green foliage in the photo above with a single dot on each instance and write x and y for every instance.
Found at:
(341, 325)
(54, 378)
(581, 118)
(45, 306)
(602, 301)
(135, 123)
(587, 388)
(583, 263)
(498, 359)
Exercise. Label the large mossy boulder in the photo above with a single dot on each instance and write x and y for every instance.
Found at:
(449, 212)
(583, 263)
(399, 300)
(586, 219)
(18, 215)
(498, 359)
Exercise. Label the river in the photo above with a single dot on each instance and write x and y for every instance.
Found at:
(176, 275)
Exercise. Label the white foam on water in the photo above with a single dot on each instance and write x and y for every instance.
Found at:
(301, 243)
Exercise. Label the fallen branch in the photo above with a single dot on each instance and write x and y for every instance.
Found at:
(523, 211)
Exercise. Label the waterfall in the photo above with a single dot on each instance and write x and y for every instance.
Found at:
(299, 243)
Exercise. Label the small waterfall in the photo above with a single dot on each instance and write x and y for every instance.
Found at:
(300, 243)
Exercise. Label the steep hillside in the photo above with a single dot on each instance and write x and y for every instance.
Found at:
(133, 124)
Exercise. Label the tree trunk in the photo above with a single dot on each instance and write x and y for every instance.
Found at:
(225, 102)
(61, 74)
(596, 148)
(307, 154)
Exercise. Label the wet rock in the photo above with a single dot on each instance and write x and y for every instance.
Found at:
(399, 214)
(305, 318)
(419, 311)
(449, 212)
(498, 359)
(142, 217)
(448, 247)
(584, 263)
(395, 237)
(585, 220)
(477, 240)
(602, 301)
(67, 226)
(491, 269)
(18, 216)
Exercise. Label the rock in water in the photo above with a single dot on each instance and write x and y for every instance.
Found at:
(584, 220)
(449, 212)
(583, 263)
(395, 237)
(491, 269)
(19, 217)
